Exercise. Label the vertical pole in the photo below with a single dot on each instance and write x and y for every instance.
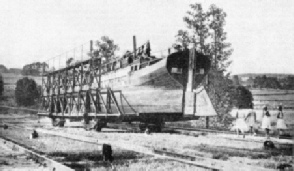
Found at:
(73, 80)
(92, 67)
(207, 121)
(82, 52)
(191, 70)
(189, 103)
(99, 73)
(66, 59)
(98, 101)
(135, 46)
(82, 76)
(215, 66)
(99, 85)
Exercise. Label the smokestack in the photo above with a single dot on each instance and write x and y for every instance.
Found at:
(135, 46)
(91, 46)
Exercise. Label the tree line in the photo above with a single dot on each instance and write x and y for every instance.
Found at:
(35, 69)
(286, 83)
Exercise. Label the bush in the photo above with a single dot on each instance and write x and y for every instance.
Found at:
(1, 85)
(242, 97)
(220, 90)
(26, 92)
(224, 96)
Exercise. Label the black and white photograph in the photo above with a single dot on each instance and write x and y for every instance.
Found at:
(146, 85)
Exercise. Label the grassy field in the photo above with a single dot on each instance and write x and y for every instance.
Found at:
(272, 98)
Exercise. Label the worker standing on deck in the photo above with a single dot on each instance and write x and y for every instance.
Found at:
(251, 120)
(240, 122)
(266, 121)
(280, 122)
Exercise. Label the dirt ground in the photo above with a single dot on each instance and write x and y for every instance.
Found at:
(230, 149)
(15, 160)
(80, 155)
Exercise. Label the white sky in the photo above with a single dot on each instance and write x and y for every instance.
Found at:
(261, 31)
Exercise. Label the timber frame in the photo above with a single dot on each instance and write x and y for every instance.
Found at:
(76, 90)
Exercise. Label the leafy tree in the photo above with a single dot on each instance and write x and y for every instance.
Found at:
(35, 68)
(221, 94)
(1, 85)
(26, 92)
(183, 40)
(106, 49)
(242, 97)
(267, 82)
(69, 61)
(287, 83)
(3, 68)
(206, 32)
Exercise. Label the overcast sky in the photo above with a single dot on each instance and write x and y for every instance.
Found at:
(261, 31)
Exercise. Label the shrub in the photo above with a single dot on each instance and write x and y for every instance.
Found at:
(26, 92)
(1, 85)
(242, 97)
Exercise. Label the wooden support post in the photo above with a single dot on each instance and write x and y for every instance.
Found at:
(207, 121)
(88, 102)
(98, 103)
(190, 98)
(82, 77)
(108, 101)
(99, 77)
(73, 79)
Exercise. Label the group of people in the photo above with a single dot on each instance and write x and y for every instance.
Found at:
(247, 121)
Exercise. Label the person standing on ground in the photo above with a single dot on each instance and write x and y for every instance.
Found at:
(240, 123)
(280, 122)
(266, 121)
(251, 120)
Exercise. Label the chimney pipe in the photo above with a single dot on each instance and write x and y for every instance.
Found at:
(135, 46)
(91, 46)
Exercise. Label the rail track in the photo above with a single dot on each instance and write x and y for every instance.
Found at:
(198, 160)
(130, 147)
(46, 162)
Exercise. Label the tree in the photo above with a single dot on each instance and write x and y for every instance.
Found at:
(206, 32)
(26, 92)
(267, 82)
(221, 94)
(3, 68)
(69, 61)
(106, 49)
(287, 83)
(183, 40)
(242, 97)
(196, 21)
(1, 85)
(35, 68)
